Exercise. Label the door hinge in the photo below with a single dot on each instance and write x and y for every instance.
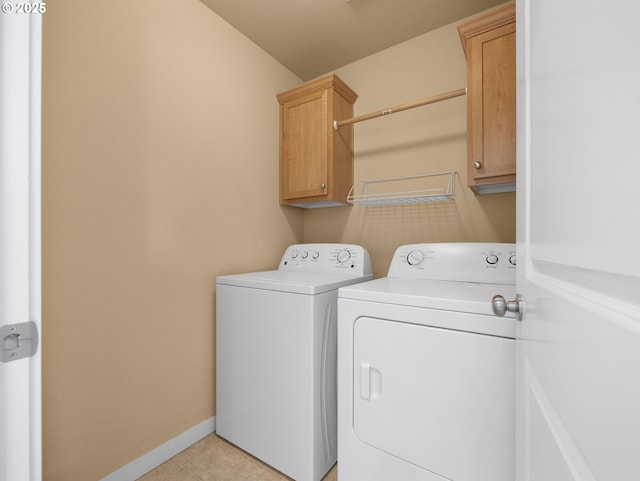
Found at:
(18, 341)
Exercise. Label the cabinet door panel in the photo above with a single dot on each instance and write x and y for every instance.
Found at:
(493, 103)
(304, 162)
(499, 98)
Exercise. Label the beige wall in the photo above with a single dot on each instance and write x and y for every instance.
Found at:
(160, 170)
(423, 140)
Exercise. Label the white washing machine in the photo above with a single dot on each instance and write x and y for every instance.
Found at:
(426, 372)
(276, 357)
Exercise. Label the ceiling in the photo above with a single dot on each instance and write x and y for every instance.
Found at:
(313, 37)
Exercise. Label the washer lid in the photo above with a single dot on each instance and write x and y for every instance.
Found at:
(309, 283)
(468, 297)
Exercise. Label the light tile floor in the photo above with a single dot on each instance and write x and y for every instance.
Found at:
(214, 459)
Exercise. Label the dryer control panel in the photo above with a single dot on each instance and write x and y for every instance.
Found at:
(349, 259)
(491, 263)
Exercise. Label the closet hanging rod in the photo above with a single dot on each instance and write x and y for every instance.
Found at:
(399, 108)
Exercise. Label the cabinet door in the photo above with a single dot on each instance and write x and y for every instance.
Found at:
(492, 97)
(304, 146)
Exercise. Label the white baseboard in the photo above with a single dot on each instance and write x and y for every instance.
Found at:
(159, 455)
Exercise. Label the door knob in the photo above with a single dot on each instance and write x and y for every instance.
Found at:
(500, 306)
(477, 164)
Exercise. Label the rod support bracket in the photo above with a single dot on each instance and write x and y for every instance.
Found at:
(335, 125)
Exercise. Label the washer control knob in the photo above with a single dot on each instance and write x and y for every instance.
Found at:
(415, 257)
(315, 254)
(512, 259)
(492, 259)
(343, 256)
(305, 254)
(294, 254)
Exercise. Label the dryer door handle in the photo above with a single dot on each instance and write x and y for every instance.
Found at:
(370, 382)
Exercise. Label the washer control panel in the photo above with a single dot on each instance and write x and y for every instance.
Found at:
(493, 263)
(329, 258)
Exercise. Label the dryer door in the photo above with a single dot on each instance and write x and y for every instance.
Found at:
(440, 399)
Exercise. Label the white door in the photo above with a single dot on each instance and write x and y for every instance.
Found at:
(578, 240)
(20, 405)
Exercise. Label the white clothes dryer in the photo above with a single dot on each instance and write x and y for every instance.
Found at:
(426, 372)
(276, 357)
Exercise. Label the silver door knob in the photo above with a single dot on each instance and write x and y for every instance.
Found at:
(322, 186)
(477, 164)
(500, 306)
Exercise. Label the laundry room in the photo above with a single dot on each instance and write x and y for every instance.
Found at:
(160, 148)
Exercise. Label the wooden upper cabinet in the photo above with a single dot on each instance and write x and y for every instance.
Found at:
(316, 161)
(489, 42)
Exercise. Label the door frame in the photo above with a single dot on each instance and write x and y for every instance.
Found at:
(20, 239)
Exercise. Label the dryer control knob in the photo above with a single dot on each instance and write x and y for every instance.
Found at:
(512, 259)
(492, 259)
(305, 254)
(343, 256)
(415, 257)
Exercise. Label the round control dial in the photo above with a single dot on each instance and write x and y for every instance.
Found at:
(512, 259)
(305, 254)
(315, 254)
(294, 254)
(415, 257)
(343, 256)
(492, 259)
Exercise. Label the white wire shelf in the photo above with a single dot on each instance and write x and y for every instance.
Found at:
(415, 189)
